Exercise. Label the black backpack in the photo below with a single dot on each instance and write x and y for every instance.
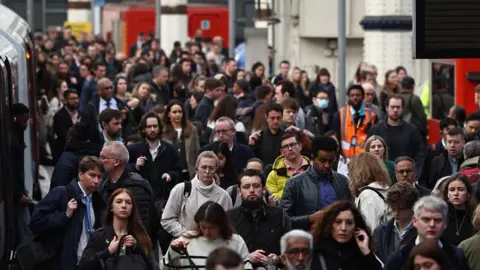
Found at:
(40, 250)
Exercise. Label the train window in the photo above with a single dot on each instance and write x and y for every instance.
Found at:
(442, 89)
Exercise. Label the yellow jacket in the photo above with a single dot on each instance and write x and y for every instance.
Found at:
(279, 176)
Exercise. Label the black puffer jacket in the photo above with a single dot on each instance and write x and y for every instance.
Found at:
(143, 195)
(301, 196)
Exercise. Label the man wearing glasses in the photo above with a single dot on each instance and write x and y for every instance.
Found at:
(405, 172)
(430, 220)
(296, 247)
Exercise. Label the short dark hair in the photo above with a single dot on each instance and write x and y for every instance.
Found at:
(273, 107)
(397, 97)
(262, 91)
(251, 173)
(88, 163)
(18, 109)
(289, 135)
(317, 91)
(108, 114)
(356, 87)
(404, 158)
(223, 256)
(430, 249)
(97, 64)
(460, 113)
(68, 92)
(143, 124)
(288, 87)
(214, 213)
(290, 103)
(324, 143)
(284, 62)
(212, 84)
(472, 117)
(445, 122)
(402, 193)
(455, 131)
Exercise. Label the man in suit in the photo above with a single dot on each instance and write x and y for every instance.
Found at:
(98, 104)
(90, 87)
(65, 118)
(225, 132)
(138, 44)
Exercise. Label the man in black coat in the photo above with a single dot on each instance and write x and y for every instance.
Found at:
(213, 90)
(258, 223)
(450, 160)
(154, 159)
(405, 172)
(115, 159)
(430, 220)
(65, 118)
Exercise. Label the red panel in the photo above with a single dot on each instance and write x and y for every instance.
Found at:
(215, 18)
(433, 131)
(465, 89)
(138, 20)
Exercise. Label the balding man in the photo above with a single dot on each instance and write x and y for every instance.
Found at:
(102, 100)
(370, 95)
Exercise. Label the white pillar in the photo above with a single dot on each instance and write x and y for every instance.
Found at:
(388, 49)
(79, 11)
(174, 23)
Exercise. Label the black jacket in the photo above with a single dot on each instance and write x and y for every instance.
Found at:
(301, 196)
(204, 109)
(97, 250)
(267, 147)
(402, 140)
(399, 257)
(143, 195)
(343, 256)
(441, 167)
(314, 121)
(17, 160)
(62, 121)
(385, 239)
(263, 231)
(167, 161)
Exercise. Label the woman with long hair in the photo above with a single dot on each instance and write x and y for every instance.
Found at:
(428, 255)
(369, 182)
(122, 234)
(390, 87)
(458, 194)
(377, 146)
(301, 94)
(141, 101)
(342, 240)
(225, 170)
(323, 81)
(180, 132)
(214, 231)
(120, 89)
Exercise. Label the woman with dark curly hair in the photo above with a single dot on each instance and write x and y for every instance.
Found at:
(458, 194)
(342, 240)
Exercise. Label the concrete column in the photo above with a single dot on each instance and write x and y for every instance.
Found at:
(79, 11)
(174, 23)
(388, 38)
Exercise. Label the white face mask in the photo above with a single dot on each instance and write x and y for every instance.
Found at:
(322, 103)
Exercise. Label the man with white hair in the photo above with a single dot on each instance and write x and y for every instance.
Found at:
(370, 96)
(296, 247)
(115, 156)
(430, 220)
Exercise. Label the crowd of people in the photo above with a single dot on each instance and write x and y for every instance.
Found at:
(186, 161)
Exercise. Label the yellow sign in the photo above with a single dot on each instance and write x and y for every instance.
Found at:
(79, 27)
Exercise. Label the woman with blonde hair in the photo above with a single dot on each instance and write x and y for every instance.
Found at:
(141, 101)
(369, 183)
(377, 146)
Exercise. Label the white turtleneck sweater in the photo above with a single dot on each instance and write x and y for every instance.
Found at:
(178, 216)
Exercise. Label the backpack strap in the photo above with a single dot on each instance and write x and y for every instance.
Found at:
(187, 189)
(374, 190)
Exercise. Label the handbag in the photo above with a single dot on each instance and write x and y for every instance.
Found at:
(128, 261)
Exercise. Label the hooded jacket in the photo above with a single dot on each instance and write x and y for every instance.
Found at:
(279, 176)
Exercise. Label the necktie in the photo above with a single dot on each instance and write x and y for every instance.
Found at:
(107, 103)
(88, 219)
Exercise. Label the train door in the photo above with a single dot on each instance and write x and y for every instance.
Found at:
(7, 215)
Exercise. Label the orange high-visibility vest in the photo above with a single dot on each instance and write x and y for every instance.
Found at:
(352, 137)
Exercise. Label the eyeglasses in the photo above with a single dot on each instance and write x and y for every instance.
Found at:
(224, 131)
(104, 157)
(297, 251)
(107, 87)
(402, 172)
(288, 146)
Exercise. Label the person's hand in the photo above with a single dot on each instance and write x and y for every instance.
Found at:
(272, 200)
(23, 201)
(113, 246)
(71, 207)
(179, 245)
(133, 103)
(308, 133)
(129, 241)
(166, 177)
(292, 128)
(140, 162)
(274, 258)
(258, 257)
(253, 138)
(362, 241)
(73, 80)
(313, 217)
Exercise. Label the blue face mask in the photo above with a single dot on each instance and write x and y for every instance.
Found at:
(322, 103)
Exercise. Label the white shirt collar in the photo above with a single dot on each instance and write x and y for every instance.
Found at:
(83, 191)
(417, 241)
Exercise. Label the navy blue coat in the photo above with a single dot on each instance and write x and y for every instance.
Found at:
(49, 218)
(240, 155)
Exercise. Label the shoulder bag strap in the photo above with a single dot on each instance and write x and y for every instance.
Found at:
(323, 264)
